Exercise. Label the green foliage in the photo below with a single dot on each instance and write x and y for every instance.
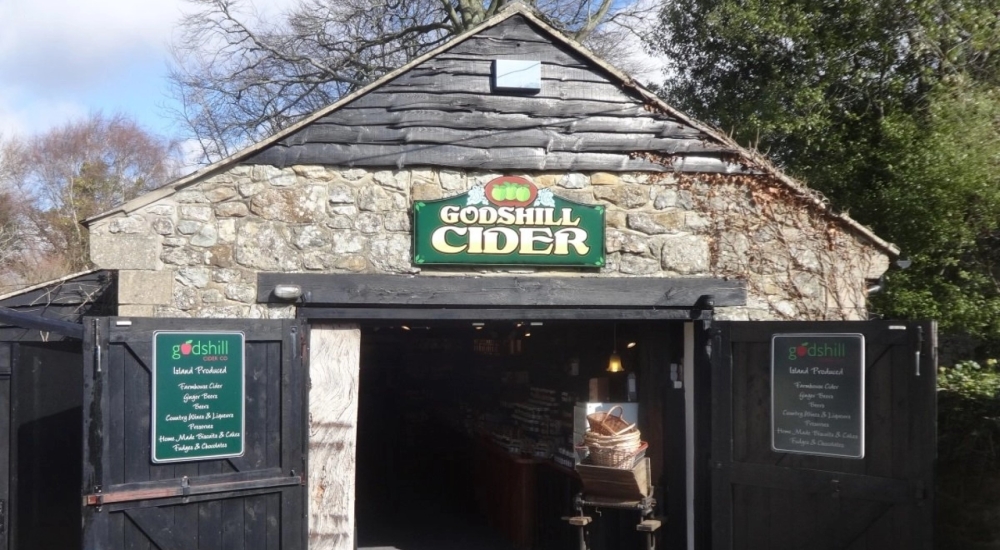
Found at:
(889, 107)
(794, 76)
(968, 474)
(940, 201)
(970, 380)
(969, 414)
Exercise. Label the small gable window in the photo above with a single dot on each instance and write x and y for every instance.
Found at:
(518, 75)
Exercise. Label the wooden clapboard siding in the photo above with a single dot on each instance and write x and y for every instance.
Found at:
(334, 368)
(444, 112)
(549, 139)
(418, 118)
(451, 156)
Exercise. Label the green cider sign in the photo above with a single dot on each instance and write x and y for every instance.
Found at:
(508, 221)
(199, 391)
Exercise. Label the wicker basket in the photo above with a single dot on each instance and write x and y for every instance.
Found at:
(628, 441)
(613, 451)
(614, 457)
(606, 423)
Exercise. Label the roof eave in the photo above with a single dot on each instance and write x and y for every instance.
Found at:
(51, 282)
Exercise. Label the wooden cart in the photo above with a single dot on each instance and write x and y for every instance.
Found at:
(620, 489)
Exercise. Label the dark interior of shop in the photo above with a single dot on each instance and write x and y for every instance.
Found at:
(465, 430)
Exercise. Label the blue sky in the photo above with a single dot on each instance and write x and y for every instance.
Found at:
(62, 59)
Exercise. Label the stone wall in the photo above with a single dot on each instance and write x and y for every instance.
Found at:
(197, 252)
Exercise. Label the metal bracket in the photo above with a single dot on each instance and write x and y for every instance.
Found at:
(94, 499)
(703, 310)
(920, 345)
(303, 344)
(97, 344)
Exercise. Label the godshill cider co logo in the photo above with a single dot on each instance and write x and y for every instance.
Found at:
(199, 348)
(806, 349)
(509, 214)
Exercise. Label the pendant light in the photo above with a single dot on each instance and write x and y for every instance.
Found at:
(615, 361)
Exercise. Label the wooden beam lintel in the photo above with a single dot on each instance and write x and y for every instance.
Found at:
(500, 314)
(319, 290)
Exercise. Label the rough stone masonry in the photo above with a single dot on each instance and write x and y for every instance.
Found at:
(197, 252)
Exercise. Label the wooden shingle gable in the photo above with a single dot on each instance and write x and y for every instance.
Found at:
(445, 112)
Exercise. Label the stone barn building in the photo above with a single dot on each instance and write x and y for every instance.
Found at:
(450, 253)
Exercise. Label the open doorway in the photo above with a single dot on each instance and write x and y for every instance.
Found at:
(466, 430)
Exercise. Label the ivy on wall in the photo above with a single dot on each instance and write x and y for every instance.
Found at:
(800, 260)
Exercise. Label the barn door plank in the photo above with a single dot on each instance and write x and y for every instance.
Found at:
(721, 392)
(137, 379)
(233, 530)
(157, 524)
(210, 524)
(294, 428)
(142, 353)
(255, 529)
(97, 530)
(914, 440)
(850, 527)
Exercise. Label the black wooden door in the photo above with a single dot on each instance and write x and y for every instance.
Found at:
(255, 501)
(6, 411)
(46, 445)
(762, 499)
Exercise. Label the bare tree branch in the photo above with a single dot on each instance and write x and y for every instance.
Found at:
(239, 78)
(69, 174)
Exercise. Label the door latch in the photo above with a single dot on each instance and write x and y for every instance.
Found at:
(920, 345)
